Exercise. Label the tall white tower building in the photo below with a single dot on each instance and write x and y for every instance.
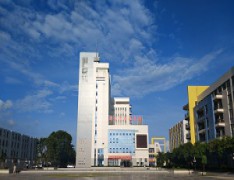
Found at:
(93, 111)
(107, 134)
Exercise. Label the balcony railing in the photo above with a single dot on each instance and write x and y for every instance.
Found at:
(186, 116)
(201, 131)
(219, 123)
(187, 126)
(218, 97)
(219, 110)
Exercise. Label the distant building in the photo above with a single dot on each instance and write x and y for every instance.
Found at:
(214, 109)
(177, 134)
(161, 141)
(17, 148)
(121, 110)
(154, 149)
(107, 134)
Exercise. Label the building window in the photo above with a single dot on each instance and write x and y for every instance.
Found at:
(206, 109)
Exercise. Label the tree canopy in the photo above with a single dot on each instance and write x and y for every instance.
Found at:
(215, 155)
(56, 150)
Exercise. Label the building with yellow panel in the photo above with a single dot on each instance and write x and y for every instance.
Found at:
(193, 93)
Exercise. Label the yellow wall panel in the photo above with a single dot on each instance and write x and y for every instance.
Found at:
(193, 93)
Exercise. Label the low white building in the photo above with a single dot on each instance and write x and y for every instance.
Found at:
(127, 136)
(154, 149)
(128, 145)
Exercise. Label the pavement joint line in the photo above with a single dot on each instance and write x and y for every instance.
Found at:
(35, 172)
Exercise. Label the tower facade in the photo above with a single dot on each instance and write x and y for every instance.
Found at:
(93, 110)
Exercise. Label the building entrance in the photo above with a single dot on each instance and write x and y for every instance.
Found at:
(126, 163)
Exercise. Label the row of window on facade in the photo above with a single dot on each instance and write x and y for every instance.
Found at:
(14, 137)
(120, 150)
(220, 132)
(120, 134)
(117, 140)
(121, 109)
(4, 143)
(4, 133)
(14, 154)
(224, 86)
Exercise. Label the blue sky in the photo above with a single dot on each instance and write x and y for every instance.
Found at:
(155, 50)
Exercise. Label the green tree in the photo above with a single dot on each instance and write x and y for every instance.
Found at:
(204, 162)
(199, 150)
(60, 151)
(42, 151)
(215, 155)
(160, 159)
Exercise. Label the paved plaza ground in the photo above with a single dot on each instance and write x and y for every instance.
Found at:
(110, 175)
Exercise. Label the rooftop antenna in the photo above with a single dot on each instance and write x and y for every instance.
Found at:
(96, 58)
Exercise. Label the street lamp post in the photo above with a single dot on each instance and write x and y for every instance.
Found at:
(233, 159)
(194, 162)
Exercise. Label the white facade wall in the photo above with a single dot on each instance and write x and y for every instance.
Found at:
(93, 108)
(121, 110)
(100, 125)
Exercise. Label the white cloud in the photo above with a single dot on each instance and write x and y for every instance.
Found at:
(11, 80)
(123, 30)
(66, 86)
(62, 114)
(11, 122)
(61, 98)
(36, 102)
(86, 23)
(48, 83)
(5, 105)
(146, 76)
